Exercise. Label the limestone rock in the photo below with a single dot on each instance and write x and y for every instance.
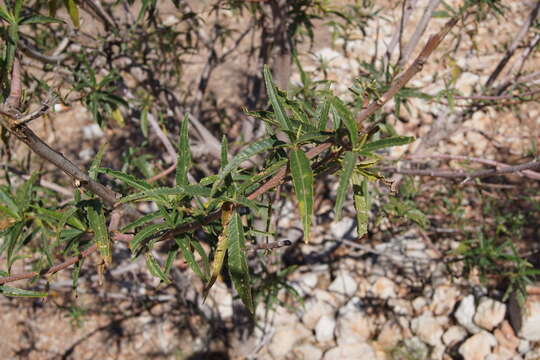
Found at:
(390, 335)
(444, 300)
(453, 335)
(478, 346)
(350, 351)
(427, 328)
(489, 313)
(526, 319)
(286, 337)
(384, 288)
(324, 331)
(354, 327)
(465, 313)
(307, 352)
(344, 284)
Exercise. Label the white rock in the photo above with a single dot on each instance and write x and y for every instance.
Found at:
(307, 352)
(384, 288)
(419, 304)
(524, 346)
(92, 131)
(478, 346)
(310, 280)
(223, 300)
(390, 335)
(427, 328)
(453, 335)
(285, 338)
(354, 327)
(314, 310)
(324, 331)
(489, 313)
(444, 300)
(341, 228)
(344, 284)
(526, 319)
(350, 351)
(465, 313)
(327, 54)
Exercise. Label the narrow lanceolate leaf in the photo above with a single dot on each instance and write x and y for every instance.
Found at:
(349, 161)
(322, 114)
(361, 203)
(127, 179)
(277, 104)
(9, 206)
(237, 261)
(161, 194)
(97, 222)
(144, 234)
(388, 142)
(155, 269)
(73, 11)
(302, 177)
(183, 161)
(11, 291)
(221, 249)
(96, 163)
(184, 245)
(340, 110)
(246, 153)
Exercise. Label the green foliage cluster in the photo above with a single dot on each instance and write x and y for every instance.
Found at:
(298, 122)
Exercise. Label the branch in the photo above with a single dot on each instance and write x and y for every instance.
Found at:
(517, 40)
(403, 79)
(528, 173)
(54, 269)
(532, 165)
(406, 11)
(418, 32)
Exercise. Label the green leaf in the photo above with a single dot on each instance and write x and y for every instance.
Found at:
(246, 153)
(141, 221)
(144, 122)
(159, 195)
(127, 179)
(277, 104)
(184, 245)
(302, 177)
(11, 291)
(6, 15)
(96, 163)
(237, 261)
(10, 207)
(183, 162)
(151, 230)
(224, 152)
(155, 269)
(388, 142)
(349, 161)
(23, 195)
(361, 203)
(97, 222)
(73, 11)
(339, 110)
(322, 114)
(40, 19)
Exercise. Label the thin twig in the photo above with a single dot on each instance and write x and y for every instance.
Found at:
(403, 79)
(517, 40)
(418, 32)
(532, 165)
(406, 11)
(528, 173)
